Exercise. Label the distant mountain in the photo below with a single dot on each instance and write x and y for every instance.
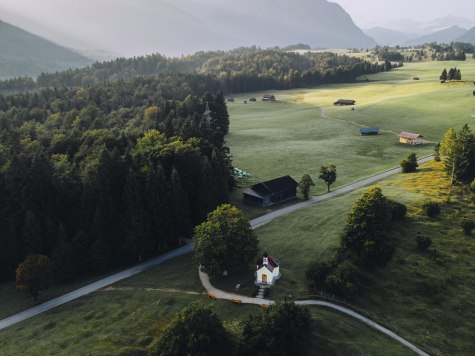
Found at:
(24, 54)
(444, 36)
(138, 27)
(387, 37)
(468, 37)
(426, 28)
(319, 23)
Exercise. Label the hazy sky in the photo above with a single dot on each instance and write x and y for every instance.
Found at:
(367, 13)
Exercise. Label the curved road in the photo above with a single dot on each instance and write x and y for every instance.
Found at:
(219, 294)
(260, 221)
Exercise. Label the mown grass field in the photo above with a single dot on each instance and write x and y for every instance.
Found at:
(290, 137)
(129, 317)
(428, 296)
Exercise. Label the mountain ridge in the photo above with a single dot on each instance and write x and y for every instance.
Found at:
(26, 54)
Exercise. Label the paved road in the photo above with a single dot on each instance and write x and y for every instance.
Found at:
(219, 294)
(93, 287)
(184, 250)
(368, 181)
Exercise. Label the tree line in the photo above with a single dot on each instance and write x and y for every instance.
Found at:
(240, 70)
(106, 175)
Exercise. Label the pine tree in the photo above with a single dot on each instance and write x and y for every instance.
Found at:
(443, 76)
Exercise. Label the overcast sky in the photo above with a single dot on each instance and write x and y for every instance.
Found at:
(367, 13)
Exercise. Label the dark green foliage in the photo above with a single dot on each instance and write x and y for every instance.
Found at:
(458, 153)
(317, 273)
(344, 280)
(409, 165)
(472, 186)
(246, 69)
(398, 210)
(196, 330)
(224, 242)
(305, 184)
(467, 225)
(423, 242)
(91, 160)
(34, 275)
(328, 175)
(364, 236)
(388, 54)
(281, 330)
(431, 209)
(444, 75)
(437, 152)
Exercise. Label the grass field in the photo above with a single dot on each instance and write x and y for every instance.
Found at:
(290, 137)
(427, 295)
(127, 318)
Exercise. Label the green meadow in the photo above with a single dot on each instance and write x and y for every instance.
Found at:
(129, 317)
(427, 296)
(269, 140)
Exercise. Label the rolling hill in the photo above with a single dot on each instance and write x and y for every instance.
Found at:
(444, 36)
(24, 54)
(131, 28)
(468, 37)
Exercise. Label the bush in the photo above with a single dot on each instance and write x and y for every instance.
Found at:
(410, 164)
(472, 186)
(398, 210)
(423, 242)
(431, 209)
(467, 226)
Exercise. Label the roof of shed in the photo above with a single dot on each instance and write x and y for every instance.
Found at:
(410, 135)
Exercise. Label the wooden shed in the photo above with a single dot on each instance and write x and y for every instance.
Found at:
(344, 102)
(268, 97)
(409, 138)
(369, 131)
(271, 192)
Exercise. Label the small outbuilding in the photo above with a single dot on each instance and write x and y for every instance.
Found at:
(271, 192)
(369, 131)
(344, 102)
(268, 97)
(268, 270)
(409, 138)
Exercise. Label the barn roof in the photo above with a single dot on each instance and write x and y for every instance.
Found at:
(410, 135)
(369, 130)
(272, 186)
(345, 101)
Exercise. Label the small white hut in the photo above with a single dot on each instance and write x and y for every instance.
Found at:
(268, 271)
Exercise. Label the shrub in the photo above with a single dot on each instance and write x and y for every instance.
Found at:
(410, 164)
(398, 210)
(467, 226)
(472, 186)
(423, 242)
(431, 209)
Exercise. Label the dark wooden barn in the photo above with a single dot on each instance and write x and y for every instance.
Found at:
(344, 102)
(271, 192)
(368, 131)
(268, 97)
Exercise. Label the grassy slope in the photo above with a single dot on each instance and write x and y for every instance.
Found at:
(427, 295)
(131, 315)
(290, 137)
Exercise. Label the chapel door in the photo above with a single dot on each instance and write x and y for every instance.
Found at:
(264, 279)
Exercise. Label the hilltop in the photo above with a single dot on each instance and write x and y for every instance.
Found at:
(24, 54)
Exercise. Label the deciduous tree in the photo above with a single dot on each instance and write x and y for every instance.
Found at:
(34, 275)
(225, 242)
(328, 175)
(305, 184)
(197, 331)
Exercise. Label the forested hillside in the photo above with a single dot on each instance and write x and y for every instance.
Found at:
(93, 183)
(25, 54)
(241, 70)
(117, 162)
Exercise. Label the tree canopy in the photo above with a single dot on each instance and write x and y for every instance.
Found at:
(225, 242)
(34, 275)
(196, 331)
